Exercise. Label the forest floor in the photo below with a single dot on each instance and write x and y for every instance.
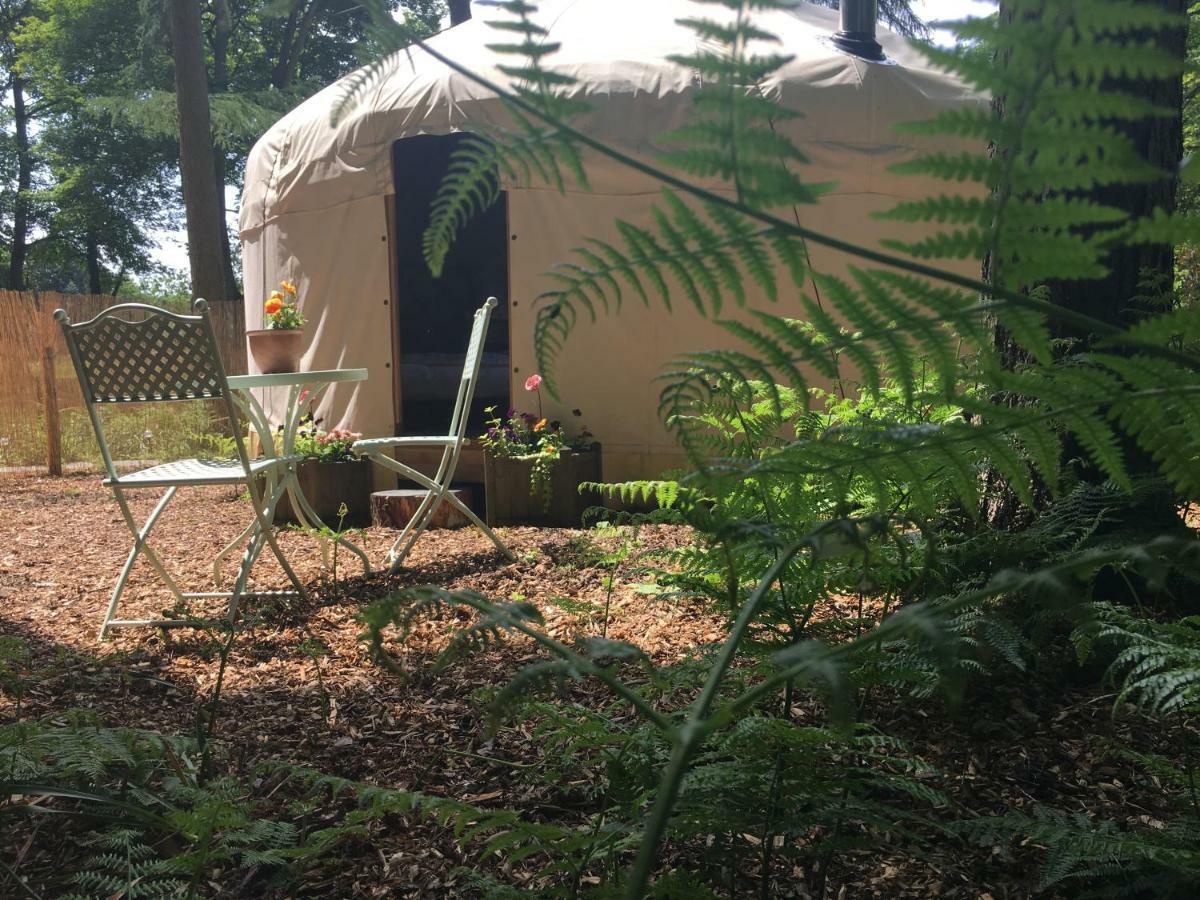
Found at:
(62, 543)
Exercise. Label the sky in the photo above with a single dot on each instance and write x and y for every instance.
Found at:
(172, 245)
(951, 10)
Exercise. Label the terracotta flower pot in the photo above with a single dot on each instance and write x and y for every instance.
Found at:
(275, 349)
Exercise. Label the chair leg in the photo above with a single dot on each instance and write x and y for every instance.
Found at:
(265, 517)
(436, 493)
(219, 559)
(480, 524)
(239, 541)
(249, 555)
(447, 496)
(140, 545)
(415, 527)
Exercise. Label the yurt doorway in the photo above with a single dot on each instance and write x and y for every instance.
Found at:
(434, 314)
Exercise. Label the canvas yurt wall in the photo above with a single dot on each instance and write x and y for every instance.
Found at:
(321, 204)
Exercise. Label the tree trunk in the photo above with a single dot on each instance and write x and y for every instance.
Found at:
(1118, 298)
(460, 11)
(20, 228)
(93, 264)
(223, 26)
(281, 75)
(1121, 297)
(203, 197)
(295, 35)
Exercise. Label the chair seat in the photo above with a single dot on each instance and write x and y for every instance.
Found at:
(198, 471)
(374, 445)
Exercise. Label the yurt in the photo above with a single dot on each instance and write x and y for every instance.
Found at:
(340, 209)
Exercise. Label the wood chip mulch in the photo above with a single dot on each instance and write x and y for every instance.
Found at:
(62, 542)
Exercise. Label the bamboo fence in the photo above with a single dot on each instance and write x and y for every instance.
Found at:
(39, 393)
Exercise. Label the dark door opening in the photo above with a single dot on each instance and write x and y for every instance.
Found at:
(434, 314)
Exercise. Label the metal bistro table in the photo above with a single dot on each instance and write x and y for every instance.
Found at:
(302, 388)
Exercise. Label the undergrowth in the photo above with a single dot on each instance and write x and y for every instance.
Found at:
(846, 450)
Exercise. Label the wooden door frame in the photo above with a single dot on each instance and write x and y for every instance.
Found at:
(394, 300)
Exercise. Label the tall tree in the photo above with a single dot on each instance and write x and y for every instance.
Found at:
(103, 185)
(203, 194)
(20, 226)
(93, 169)
(11, 16)
(1135, 277)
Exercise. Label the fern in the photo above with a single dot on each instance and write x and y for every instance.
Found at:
(1157, 663)
(1101, 859)
(152, 827)
(803, 494)
(126, 867)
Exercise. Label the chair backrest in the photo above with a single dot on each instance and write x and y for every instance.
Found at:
(164, 356)
(470, 373)
(153, 357)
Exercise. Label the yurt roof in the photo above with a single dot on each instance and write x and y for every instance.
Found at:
(619, 51)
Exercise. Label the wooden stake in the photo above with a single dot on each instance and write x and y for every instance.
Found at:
(53, 430)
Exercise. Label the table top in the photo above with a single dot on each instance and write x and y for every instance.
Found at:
(286, 379)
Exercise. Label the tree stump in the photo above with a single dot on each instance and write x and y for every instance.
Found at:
(394, 509)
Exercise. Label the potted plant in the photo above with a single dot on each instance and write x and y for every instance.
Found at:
(330, 476)
(532, 467)
(277, 346)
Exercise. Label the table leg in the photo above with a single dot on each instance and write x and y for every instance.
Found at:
(254, 413)
(305, 515)
(325, 534)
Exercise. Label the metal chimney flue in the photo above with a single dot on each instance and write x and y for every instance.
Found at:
(856, 35)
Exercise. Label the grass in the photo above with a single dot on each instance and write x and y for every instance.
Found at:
(158, 431)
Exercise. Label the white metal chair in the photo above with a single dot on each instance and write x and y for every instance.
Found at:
(438, 487)
(159, 356)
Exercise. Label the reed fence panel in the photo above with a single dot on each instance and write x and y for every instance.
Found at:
(43, 424)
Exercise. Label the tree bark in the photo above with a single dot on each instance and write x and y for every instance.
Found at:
(203, 195)
(93, 263)
(1121, 297)
(223, 27)
(460, 11)
(20, 229)
(1118, 298)
(281, 75)
(295, 35)
(1124, 297)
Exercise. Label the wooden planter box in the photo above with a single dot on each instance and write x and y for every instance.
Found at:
(327, 486)
(506, 488)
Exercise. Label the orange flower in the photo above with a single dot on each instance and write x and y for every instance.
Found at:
(289, 287)
(273, 305)
(541, 423)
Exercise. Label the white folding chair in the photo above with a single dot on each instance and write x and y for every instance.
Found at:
(159, 356)
(438, 487)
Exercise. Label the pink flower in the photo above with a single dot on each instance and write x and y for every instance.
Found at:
(533, 382)
(303, 396)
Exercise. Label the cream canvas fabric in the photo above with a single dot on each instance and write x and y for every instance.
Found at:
(315, 204)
